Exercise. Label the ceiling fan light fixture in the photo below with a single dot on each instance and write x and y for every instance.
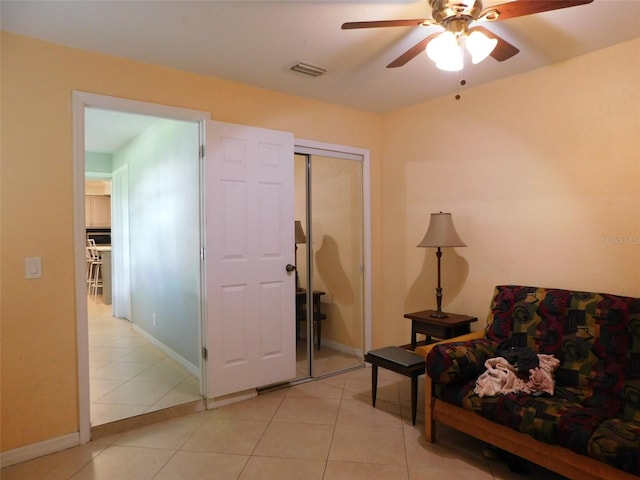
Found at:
(446, 51)
(479, 46)
(453, 64)
(456, 16)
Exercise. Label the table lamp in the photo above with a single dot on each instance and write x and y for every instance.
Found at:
(441, 233)
(300, 238)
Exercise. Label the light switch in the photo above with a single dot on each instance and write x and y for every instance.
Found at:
(33, 267)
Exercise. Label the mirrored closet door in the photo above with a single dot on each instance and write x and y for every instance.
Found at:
(329, 262)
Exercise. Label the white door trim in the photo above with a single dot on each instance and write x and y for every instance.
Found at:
(82, 100)
(304, 146)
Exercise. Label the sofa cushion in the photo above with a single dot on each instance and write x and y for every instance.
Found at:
(528, 317)
(559, 419)
(459, 361)
(617, 442)
(595, 336)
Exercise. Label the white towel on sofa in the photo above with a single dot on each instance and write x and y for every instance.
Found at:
(501, 377)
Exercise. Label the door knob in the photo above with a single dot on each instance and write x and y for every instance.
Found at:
(290, 268)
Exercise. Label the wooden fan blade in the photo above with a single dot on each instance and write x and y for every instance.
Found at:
(387, 23)
(504, 50)
(528, 7)
(412, 52)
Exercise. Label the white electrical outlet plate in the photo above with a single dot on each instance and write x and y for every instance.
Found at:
(33, 267)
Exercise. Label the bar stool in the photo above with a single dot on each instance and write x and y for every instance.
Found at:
(95, 271)
(91, 243)
(89, 260)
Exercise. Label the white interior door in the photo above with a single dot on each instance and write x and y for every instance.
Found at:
(249, 242)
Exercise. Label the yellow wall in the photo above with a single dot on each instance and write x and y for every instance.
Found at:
(39, 372)
(542, 175)
(540, 172)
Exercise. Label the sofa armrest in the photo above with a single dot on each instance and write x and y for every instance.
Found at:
(460, 360)
(425, 349)
(429, 398)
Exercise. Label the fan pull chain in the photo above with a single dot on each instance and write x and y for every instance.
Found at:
(462, 82)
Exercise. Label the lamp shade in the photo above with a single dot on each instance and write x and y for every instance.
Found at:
(441, 232)
(479, 46)
(446, 51)
(300, 236)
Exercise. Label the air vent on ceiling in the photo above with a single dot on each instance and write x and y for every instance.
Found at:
(308, 69)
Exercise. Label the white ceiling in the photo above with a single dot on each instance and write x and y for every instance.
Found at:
(257, 42)
(107, 131)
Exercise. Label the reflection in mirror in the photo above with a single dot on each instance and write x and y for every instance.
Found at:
(332, 270)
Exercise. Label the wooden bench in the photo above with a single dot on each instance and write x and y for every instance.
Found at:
(398, 360)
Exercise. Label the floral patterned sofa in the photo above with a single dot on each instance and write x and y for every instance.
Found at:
(590, 426)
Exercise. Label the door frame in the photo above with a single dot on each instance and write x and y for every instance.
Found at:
(312, 147)
(80, 101)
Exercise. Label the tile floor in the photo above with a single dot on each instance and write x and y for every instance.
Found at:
(320, 430)
(325, 361)
(129, 376)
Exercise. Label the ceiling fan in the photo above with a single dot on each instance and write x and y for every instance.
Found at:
(456, 16)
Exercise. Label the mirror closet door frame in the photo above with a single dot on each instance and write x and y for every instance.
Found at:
(309, 149)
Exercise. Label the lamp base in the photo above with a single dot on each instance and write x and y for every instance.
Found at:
(439, 314)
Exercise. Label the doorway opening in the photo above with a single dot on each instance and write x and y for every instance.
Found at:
(140, 330)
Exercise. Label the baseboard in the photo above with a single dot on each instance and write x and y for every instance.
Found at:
(231, 398)
(126, 424)
(176, 357)
(35, 450)
(340, 347)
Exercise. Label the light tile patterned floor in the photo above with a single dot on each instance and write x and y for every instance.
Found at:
(128, 376)
(326, 360)
(321, 430)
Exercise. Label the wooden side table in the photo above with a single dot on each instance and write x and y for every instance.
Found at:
(441, 328)
(301, 312)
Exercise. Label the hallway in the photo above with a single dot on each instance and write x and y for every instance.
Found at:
(128, 375)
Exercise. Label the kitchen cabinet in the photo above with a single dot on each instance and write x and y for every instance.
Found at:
(97, 211)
